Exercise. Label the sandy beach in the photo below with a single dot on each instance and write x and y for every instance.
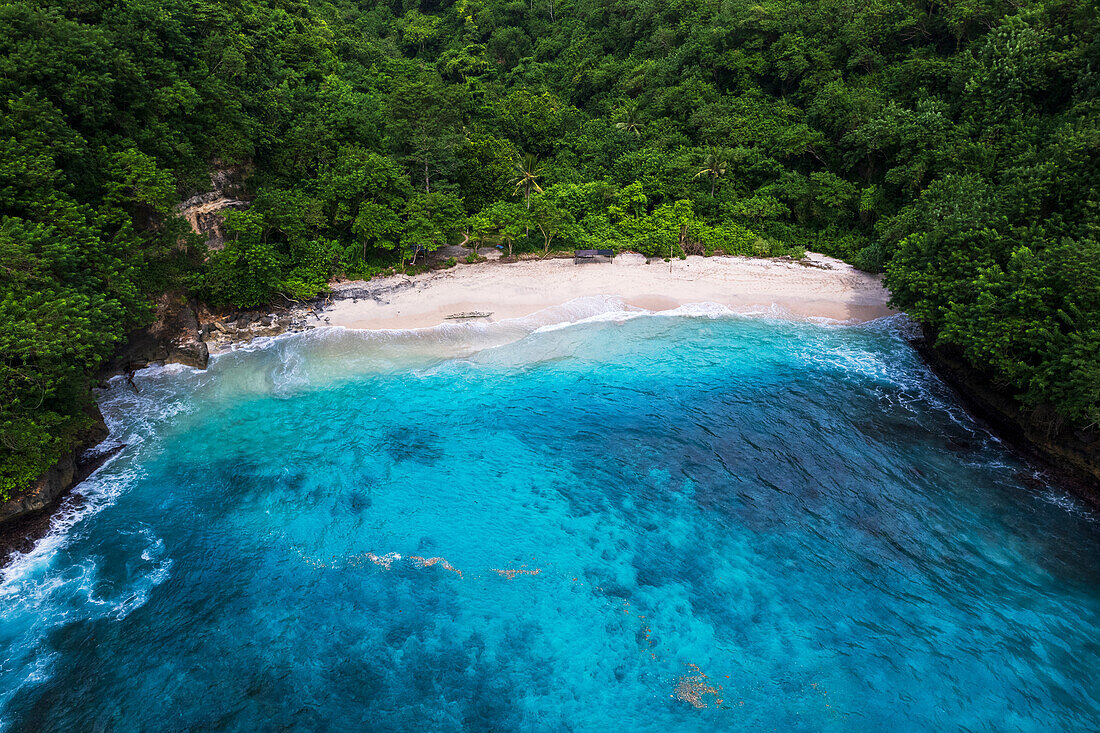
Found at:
(818, 287)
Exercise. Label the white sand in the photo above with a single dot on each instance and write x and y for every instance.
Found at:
(824, 287)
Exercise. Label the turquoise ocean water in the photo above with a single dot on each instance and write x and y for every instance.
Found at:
(656, 523)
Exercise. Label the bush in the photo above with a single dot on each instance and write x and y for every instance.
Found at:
(302, 289)
(244, 274)
(731, 238)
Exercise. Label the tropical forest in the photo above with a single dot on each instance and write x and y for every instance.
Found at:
(954, 146)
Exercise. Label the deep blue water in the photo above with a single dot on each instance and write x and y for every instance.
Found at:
(654, 524)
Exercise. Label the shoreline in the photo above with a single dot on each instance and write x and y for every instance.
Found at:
(1063, 457)
(818, 287)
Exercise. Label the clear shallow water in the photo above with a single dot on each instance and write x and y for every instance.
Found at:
(651, 524)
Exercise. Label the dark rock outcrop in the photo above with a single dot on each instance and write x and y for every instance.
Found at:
(1068, 453)
(193, 353)
(44, 492)
(174, 337)
(26, 516)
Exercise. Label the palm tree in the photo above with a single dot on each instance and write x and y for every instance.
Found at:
(528, 170)
(714, 165)
(630, 121)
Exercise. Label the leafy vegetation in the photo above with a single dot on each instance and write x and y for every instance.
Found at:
(954, 144)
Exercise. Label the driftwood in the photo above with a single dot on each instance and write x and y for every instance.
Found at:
(469, 314)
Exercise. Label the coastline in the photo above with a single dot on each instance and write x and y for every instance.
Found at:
(30, 515)
(1066, 456)
(817, 287)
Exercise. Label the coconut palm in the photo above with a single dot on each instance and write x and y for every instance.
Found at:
(714, 165)
(630, 121)
(528, 171)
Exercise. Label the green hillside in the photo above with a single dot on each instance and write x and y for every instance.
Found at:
(954, 145)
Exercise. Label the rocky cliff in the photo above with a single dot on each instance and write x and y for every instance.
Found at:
(26, 516)
(173, 337)
(205, 211)
(1069, 453)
